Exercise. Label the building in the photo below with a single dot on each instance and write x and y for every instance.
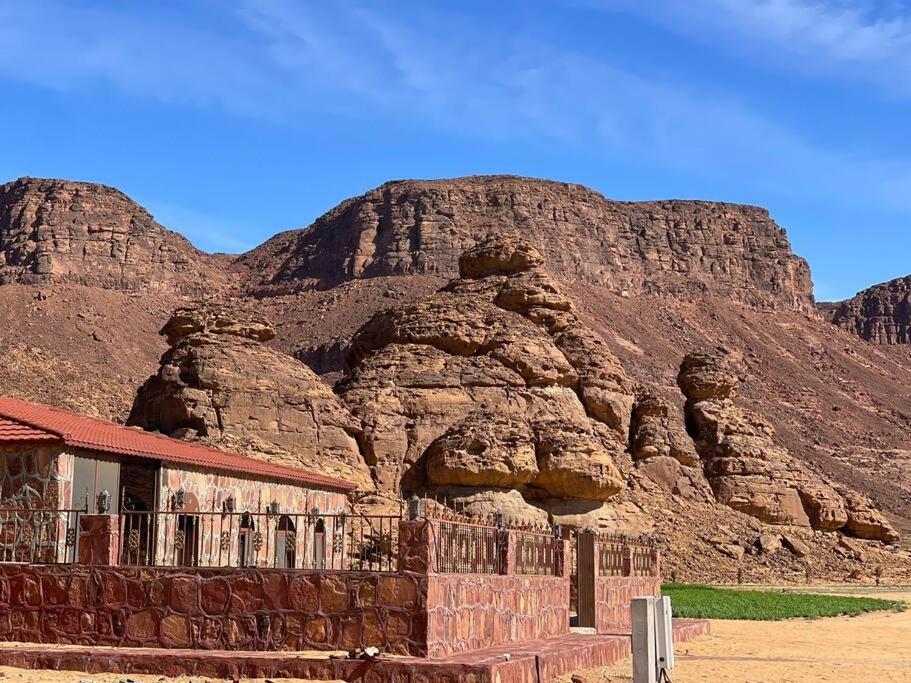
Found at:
(173, 498)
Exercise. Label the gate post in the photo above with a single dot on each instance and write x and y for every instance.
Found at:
(586, 573)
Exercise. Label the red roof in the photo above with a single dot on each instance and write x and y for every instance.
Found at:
(26, 422)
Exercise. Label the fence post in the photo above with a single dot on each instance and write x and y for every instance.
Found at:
(628, 567)
(507, 552)
(655, 562)
(417, 546)
(99, 540)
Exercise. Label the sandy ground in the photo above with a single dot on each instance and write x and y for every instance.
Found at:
(870, 647)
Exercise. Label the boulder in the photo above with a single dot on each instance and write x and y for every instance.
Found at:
(485, 449)
(219, 383)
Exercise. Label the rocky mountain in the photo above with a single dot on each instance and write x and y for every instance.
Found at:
(647, 282)
(58, 231)
(681, 248)
(880, 314)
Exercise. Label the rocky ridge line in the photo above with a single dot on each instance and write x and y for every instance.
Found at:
(84, 233)
(880, 314)
(679, 248)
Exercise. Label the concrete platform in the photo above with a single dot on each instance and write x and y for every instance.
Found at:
(529, 662)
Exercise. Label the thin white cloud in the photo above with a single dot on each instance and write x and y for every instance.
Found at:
(281, 57)
(854, 40)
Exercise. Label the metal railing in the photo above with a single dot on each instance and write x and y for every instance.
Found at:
(39, 536)
(537, 553)
(467, 548)
(615, 550)
(260, 539)
(611, 554)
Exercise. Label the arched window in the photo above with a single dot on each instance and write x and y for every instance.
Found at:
(285, 543)
(245, 550)
(186, 542)
(319, 544)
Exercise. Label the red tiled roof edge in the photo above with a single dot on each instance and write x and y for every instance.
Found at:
(175, 451)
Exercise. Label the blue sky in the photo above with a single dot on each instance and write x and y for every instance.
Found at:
(232, 121)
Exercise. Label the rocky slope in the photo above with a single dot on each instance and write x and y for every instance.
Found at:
(672, 247)
(840, 407)
(880, 314)
(68, 232)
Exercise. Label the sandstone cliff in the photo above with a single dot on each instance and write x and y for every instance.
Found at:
(749, 472)
(219, 383)
(682, 248)
(491, 383)
(84, 233)
(880, 314)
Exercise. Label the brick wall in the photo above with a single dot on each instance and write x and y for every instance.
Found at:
(240, 609)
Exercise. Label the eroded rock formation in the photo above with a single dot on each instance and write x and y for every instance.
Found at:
(671, 247)
(881, 314)
(749, 472)
(220, 383)
(491, 383)
(84, 233)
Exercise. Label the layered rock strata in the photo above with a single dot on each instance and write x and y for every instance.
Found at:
(218, 382)
(682, 248)
(881, 314)
(84, 233)
(493, 393)
(749, 472)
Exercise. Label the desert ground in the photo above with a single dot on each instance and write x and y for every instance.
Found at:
(871, 647)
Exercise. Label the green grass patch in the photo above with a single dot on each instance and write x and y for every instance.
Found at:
(704, 602)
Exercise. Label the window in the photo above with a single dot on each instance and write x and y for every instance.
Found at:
(246, 549)
(91, 476)
(319, 544)
(285, 543)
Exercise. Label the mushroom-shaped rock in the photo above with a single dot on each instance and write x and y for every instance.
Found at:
(501, 255)
(218, 383)
(216, 319)
(485, 449)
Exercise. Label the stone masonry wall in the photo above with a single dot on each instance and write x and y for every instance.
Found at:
(474, 611)
(206, 491)
(35, 477)
(613, 595)
(240, 609)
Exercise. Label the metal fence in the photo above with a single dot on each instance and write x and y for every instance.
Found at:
(537, 553)
(613, 551)
(39, 536)
(610, 554)
(260, 539)
(467, 548)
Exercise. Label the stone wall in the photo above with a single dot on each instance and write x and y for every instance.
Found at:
(34, 477)
(207, 490)
(613, 595)
(474, 611)
(239, 609)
